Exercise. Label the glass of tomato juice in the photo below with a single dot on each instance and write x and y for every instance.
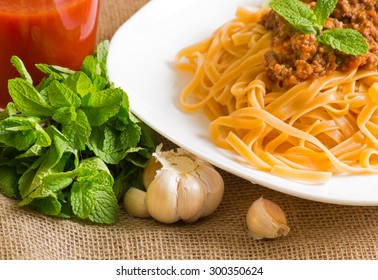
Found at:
(55, 32)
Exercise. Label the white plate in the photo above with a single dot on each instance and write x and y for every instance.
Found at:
(140, 61)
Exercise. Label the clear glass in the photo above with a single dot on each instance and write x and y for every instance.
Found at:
(58, 32)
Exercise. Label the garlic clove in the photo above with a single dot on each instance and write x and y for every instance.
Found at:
(191, 197)
(266, 219)
(214, 185)
(149, 172)
(161, 197)
(134, 202)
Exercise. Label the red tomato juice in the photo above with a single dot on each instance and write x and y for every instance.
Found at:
(57, 32)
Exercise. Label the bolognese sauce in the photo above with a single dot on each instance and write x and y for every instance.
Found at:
(296, 57)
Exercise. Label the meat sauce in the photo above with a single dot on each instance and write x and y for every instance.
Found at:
(296, 57)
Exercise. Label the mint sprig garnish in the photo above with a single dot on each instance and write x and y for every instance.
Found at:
(308, 21)
(297, 13)
(323, 9)
(346, 40)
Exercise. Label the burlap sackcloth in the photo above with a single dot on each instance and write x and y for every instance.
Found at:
(318, 230)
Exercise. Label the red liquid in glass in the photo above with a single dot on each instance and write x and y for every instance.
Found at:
(57, 32)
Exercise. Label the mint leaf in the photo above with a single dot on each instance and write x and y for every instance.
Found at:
(298, 14)
(147, 139)
(33, 151)
(64, 115)
(124, 115)
(95, 66)
(92, 196)
(54, 69)
(17, 133)
(22, 132)
(92, 199)
(112, 145)
(116, 140)
(45, 82)
(106, 210)
(27, 99)
(66, 209)
(80, 83)
(94, 70)
(102, 105)
(49, 162)
(9, 111)
(83, 198)
(60, 95)
(101, 53)
(95, 144)
(42, 183)
(21, 69)
(58, 181)
(77, 131)
(9, 182)
(94, 165)
(47, 197)
(323, 9)
(130, 136)
(48, 205)
(349, 41)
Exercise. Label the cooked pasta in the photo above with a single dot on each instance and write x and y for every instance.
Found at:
(309, 131)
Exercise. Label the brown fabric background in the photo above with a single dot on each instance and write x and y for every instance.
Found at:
(318, 230)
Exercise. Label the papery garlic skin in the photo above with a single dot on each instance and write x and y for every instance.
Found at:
(184, 188)
(214, 194)
(191, 197)
(134, 202)
(266, 219)
(161, 198)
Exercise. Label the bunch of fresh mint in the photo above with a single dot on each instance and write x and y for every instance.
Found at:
(70, 147)
(308, 21)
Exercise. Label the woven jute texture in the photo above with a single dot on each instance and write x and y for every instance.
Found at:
(319, 231)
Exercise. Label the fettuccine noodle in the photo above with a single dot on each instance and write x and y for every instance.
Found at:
(308, 132)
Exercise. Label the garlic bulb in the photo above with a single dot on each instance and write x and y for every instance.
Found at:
(134, 202)
(266, 219)
(183, 187)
